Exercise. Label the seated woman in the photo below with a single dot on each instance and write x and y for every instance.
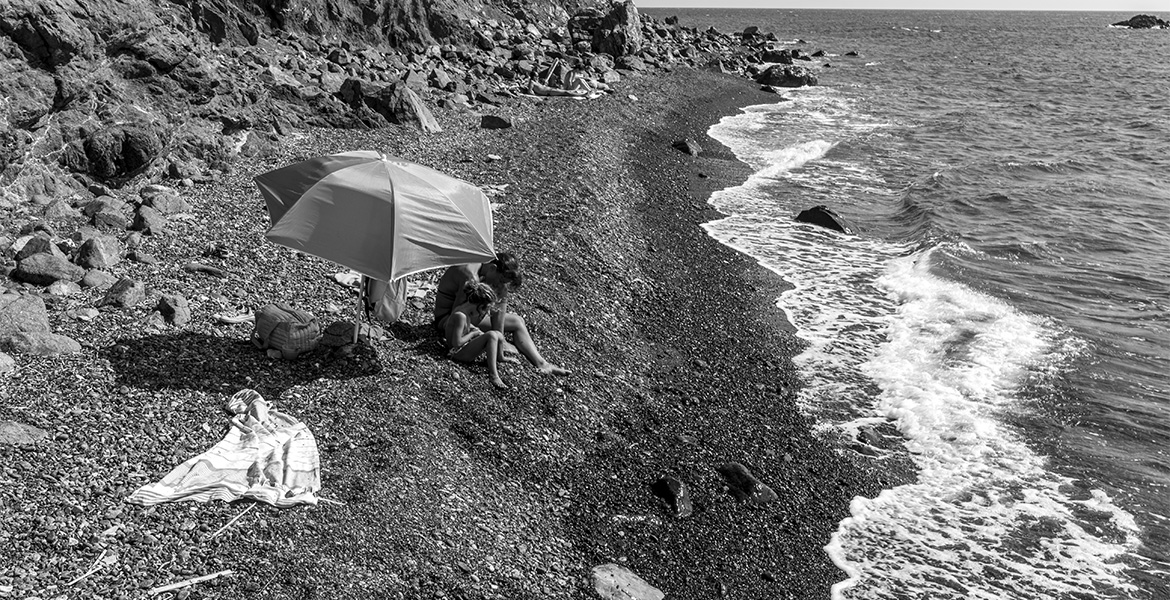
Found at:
(503, 276)
(467, 341)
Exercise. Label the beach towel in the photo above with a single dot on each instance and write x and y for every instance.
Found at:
(267, 456)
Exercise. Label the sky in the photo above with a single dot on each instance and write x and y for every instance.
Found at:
(1159, 8)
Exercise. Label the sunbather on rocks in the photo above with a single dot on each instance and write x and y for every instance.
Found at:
(467, 341)
(560, 80)
(503, 276)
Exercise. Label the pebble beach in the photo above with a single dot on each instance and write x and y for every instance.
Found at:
(434, 483)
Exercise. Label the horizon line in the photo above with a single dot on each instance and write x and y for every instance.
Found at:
(932, 9)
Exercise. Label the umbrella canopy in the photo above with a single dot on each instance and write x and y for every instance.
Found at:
(381, 216)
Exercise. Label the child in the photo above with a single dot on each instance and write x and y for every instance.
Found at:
(466, 340)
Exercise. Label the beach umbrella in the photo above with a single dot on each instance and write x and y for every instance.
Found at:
(381, 216)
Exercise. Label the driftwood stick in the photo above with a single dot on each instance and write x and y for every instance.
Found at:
(97, 566)
(186, 582)
(234, 519)
(320, 499)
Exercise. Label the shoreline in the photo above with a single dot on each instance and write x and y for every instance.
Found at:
(681, 363)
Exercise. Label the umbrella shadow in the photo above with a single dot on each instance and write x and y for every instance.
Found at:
(196, 361)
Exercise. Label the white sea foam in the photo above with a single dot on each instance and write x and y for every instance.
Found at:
(986, 519)
(889, 340)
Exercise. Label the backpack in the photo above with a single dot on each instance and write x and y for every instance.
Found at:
(384, 301)
(289, 330)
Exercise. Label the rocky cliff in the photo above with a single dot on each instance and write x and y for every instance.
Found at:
(108, 89)
(99, 93)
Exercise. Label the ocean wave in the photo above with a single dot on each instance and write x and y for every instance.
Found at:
(986, 519)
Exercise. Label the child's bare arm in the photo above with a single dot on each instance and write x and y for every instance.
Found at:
(456, 326)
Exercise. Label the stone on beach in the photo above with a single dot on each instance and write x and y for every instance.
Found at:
(744, 486)
(494, 122)
(174, 308)
(676, 495)
(45, 268)
(18, 434)
(688, 146)
(24, 327)
(613, 582)
(125, 293)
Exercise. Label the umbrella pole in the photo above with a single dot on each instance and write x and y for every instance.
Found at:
(357, 320)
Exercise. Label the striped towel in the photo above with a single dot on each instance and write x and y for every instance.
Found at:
(267, 456)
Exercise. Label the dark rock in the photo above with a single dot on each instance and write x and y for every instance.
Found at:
(175, 309)
(825, 217)
(397, 103)
(494, 122)
(772, 55)
(121, 150)
(852, 53)
(744, 486)
(676, 495)
(1143, 22)
(787, 76)
(126, 293)
(818, 53)
(688, 146)
(45, 268)
(617, 33)
(47, 32)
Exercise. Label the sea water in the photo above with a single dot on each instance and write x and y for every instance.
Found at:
(1005, 304)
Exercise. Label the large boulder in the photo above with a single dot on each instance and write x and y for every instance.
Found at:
(100, 252)
(45, 268)
(787, 76)
(397, 103)
(24, 327)
(120, 150)
(617, 32)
